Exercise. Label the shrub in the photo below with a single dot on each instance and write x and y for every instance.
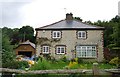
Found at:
(16, 64)
(115, 61)
(63, 58)
(10, 64)
(80, 60)
(23, 64)
(73, 63)
(42, 64)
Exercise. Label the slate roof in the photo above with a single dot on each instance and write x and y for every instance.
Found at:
(28, 43)
(69, 24)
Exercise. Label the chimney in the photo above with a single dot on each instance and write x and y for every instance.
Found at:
(69, 16)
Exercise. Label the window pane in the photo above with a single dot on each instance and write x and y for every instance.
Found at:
(79, 34)
(83, 34)
(54, 34)
(93, 53)
(58, 50)
(83, 54)
(43, 49)
(47, 49)
(58, 34)
(62, 50)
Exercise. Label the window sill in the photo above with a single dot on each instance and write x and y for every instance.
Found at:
(60, 53)
(82, 38)
(45, 53)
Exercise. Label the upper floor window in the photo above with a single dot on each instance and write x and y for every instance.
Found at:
(60, 50)
(56, 34)
(45, 49)
(81, 34)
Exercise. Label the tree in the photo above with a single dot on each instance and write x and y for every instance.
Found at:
(7, 50)
(26, 33)
(15, 37)
(78, 18)
(116, 32)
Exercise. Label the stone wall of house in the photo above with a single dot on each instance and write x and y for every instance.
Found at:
(69, 38)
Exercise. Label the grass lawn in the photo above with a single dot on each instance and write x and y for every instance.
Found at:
(58, 65)
(61, 65)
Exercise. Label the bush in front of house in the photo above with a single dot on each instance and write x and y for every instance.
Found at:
(16, 64)
(115, 61)
(23, 64)
(11, 64)
(73, 64)
(42, 64)
(80, 60)
(64, 58)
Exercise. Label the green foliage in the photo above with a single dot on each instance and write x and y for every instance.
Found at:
(73, 64)
(17, 35)
(23, 64)
(42, 64)
(80, 60)
(58, 64)
(115, 61)
(78, 18)
(7, 50)
(111, 32)
(64, 59)
(27, 33)
(16, 64)
(106, 66)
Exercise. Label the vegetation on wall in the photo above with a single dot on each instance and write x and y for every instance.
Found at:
(44, 40)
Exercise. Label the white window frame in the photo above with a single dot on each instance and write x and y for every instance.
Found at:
(45, 49)
(86, 52)
(55, 34)
(82, 34)
(59, 50)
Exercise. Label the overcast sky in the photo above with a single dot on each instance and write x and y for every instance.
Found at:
(37, 13)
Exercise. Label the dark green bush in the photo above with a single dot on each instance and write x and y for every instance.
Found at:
(16, 64)
(80, 60)
(23, 64)
(64, 59)
(11, 64)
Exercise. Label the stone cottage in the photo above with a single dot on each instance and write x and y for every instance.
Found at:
(70, 38)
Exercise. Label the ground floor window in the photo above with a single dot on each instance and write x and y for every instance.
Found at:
(45, 49)
(86, 51)
(60, 49)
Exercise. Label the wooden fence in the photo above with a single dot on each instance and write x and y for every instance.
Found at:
(58, 71)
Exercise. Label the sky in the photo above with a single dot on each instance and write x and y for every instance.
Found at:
(37, 13)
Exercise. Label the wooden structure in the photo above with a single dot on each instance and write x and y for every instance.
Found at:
(26, 48)
(60, 71)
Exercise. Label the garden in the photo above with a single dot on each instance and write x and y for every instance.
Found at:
(52, 64)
